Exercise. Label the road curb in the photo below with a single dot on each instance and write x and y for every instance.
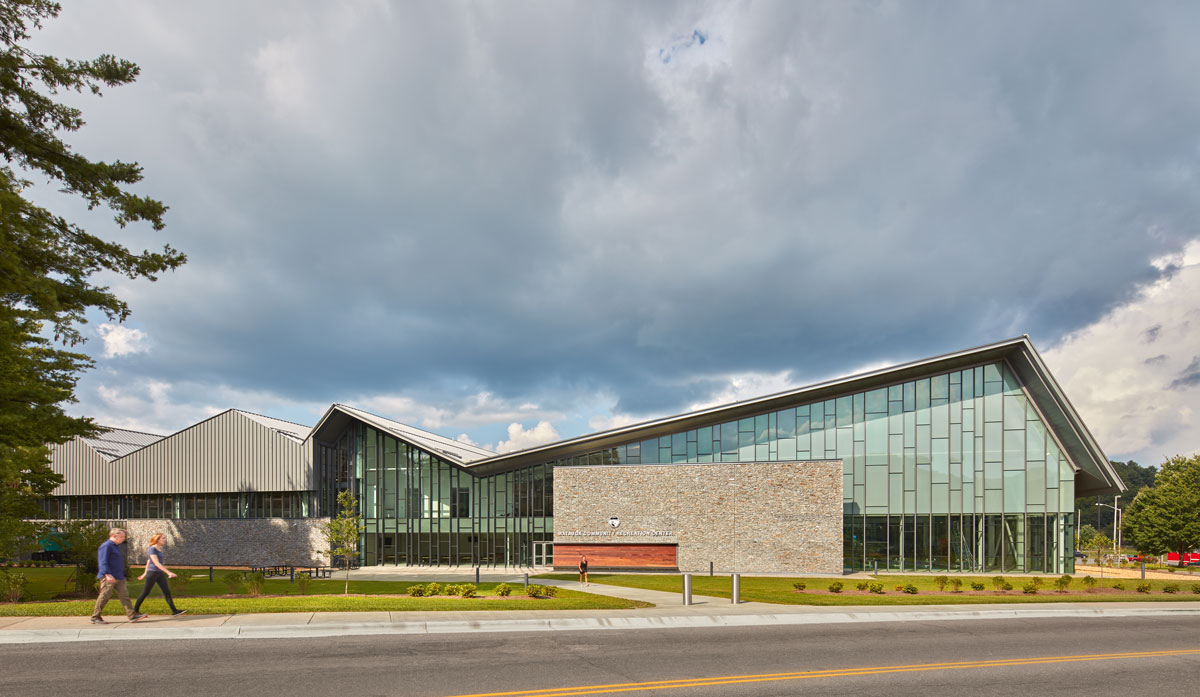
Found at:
(312, 631)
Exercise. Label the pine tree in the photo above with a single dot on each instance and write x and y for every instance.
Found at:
(47, 262)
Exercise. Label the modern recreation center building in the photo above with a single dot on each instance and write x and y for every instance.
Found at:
(968, 461)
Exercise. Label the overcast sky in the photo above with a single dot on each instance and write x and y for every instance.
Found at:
(519, 222)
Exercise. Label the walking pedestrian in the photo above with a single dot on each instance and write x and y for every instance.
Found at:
(157, 573)
(583, 570)
(112, 577)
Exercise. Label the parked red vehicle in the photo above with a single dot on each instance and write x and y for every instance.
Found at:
(1189, 559)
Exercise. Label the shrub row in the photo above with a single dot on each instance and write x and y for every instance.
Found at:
(428, 590)
(27, 564)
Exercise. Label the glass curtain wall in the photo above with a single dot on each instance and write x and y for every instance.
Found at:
(955, 471)
(420, 510)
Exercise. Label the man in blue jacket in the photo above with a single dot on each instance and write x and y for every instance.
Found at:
(112, 577)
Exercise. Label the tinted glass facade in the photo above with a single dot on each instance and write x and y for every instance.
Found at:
(953, 471)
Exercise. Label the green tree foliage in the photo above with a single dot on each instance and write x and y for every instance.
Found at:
(80, 541)
(1083, 537)
(1136, 478)
(342, 532)
(1166, 517)
(47, 262)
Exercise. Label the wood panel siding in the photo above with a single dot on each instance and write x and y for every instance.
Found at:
(615, 556)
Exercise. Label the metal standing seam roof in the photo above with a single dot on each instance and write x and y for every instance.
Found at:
(114, 443)
(296, 432)
(457, 451)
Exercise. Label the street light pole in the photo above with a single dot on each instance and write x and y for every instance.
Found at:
(1116, 521)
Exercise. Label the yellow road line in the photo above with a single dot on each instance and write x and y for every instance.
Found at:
(831, 673)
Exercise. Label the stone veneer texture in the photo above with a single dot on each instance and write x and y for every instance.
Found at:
(251, 542)
(743, 517)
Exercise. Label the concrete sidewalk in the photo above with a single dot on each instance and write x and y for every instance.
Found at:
(668, 612)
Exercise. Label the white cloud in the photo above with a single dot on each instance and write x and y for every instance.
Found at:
(747, 385)
(479, 409)
(120, 340)
(1134, 375)
(157, 406)
(520, 439)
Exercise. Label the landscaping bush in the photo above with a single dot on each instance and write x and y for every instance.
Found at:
(1037, 581)
(255, 583)
(416, 590)
(466, 590)
(956, 584)
(835, 587)
(941, 582)
(998, 583)
(233, 581)
(1171, 588)
(1196, 588)
(861, 585)
(1007, 586)
(432, 589)
(1030, 588)
(302, 581)
(1062, 583)
(534, 590)
(798, 585)
(876, 588)
(1089, 582)
(909, 588)
(503, 590)
(12, 586)
(179, 584)
(976, 585)
(1143, 588)
(1118, 586)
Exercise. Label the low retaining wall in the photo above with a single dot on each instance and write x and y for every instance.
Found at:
(257, 541)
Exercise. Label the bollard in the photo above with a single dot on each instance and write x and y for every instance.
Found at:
(210, 573)
(687, 589)
(876, 567)
(710, 568)
(477, 575)
(291, 574)
(736, 596)
(1143, 571)
(526, 579)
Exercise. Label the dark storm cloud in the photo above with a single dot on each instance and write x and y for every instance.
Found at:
(532, 201)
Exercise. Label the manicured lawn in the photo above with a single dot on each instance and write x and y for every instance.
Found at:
(780, 590)
(280, 595)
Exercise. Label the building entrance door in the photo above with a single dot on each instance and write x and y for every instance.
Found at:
(543, 554)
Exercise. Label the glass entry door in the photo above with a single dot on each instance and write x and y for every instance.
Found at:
(543, 553)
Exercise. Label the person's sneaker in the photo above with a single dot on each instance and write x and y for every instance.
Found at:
(177, 613)
(139, 617)
(99, 620)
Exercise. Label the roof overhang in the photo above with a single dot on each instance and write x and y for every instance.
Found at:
(1094, 474)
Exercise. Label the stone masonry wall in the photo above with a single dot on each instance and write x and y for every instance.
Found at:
(745, 517)
(260, 542)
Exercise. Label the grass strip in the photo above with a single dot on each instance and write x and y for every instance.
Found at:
(207, 605)
(780, 591)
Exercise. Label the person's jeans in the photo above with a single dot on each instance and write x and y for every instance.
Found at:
(152, 578)
(107, 588)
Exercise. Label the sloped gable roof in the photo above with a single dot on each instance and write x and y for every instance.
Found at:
(453, 450)
(114, 443)
(1094, 473)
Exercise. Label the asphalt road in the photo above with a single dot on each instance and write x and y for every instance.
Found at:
(1087, 656)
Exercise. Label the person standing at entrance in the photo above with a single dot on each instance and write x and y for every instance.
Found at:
(112, 577)
(156, 573)
(583, 570)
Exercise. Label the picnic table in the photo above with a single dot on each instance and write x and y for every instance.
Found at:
(290, 570)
